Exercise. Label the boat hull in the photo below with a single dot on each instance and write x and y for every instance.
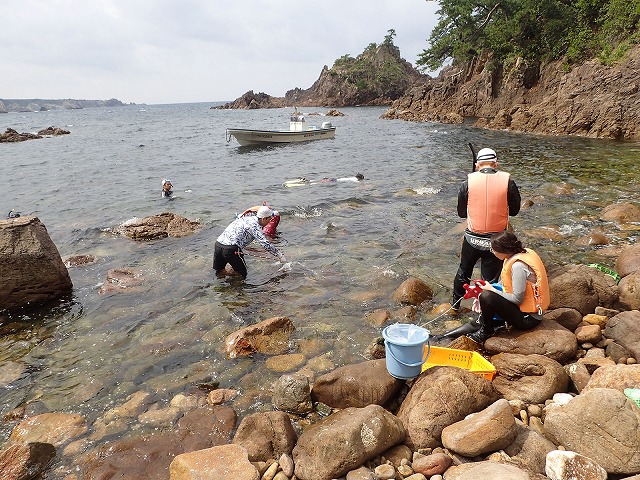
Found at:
(261, 137)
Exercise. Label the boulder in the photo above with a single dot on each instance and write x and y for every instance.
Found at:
(624, 329)
(582, 288)
(291, 393)
(344, 441)
(488, 471)
(413, 291)
(579, 375)
(621, 213)
(548, 339)
(30, 265)
(562, 465)
(356, 385)
(629, 291)
(271, 336)
(531, 378)
(266, 435)
(628, 261)
(440, 397)
(588, 334)
(617, 377)
(164, 225)
(121, 280)
(569, 318)
(489, 430)
(529, 449)
(54, 428)
(224, 461)
(23, 461)
(602, 424)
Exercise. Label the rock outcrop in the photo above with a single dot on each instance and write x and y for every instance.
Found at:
(377, 76)
(590, 100)
(163, 225)
(30, 265)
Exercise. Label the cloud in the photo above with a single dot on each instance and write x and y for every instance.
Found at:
(166, 51)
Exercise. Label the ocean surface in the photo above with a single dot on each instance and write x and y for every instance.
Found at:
(350, 244)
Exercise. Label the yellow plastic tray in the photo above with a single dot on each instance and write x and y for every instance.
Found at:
(451, 357)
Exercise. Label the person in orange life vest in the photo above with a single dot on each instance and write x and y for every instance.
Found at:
(525, 288)
(269, 228)
(486, 199)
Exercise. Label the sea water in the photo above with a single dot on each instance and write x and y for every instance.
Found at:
(348, 245)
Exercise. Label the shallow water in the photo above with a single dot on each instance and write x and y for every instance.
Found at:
(350, 245)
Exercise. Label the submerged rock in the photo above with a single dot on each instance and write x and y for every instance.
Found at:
(164, 225)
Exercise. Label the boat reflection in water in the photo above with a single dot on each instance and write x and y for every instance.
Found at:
(298, 132)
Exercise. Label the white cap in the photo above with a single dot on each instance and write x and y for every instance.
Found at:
(486, 155)
(264, 212)
(165, 180)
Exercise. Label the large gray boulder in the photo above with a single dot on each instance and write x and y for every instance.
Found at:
(582, 288)
(31, 268)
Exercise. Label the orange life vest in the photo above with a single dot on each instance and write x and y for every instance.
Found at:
(487, 204)
(536, 295)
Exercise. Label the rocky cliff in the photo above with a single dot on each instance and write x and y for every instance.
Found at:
(590, 100)
(378, 76)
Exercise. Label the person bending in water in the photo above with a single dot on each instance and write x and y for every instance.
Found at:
(525, 294)
(241, 232)
(269, 228)
(357, 178)
(166, 187)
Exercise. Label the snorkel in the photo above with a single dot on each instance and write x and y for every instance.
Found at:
(474, 158)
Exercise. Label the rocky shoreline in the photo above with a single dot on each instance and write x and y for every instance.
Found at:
(556, 406)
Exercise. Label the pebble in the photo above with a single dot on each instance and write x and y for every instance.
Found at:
(385, 472)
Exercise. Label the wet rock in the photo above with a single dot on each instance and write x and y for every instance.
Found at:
(32, 270)
(53, 131)
(292, 393)
(487, 431)
(379, 317)
(266, 435)
(25, 460)
(356, 385)
(582, 288)
(531, 378)
(628, 261)
(548, 339)
(224, 461)
(562, 465)
(270, 336)
(78, 260)
(624, 329)
(221, 395)
(285, 363)
(164, 225)
(345, 440)
(413, 291)
(569, 318)
(593, 239)
(440, 397)
(10, 372)
(601, 424)
(135, 404)
(629, 288)
(54, 428)
(621, 213)
(122, 280)
(11, 135)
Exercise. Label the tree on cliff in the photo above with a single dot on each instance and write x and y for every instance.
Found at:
(537, 30)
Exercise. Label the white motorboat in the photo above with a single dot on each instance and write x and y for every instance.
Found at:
(298, 132)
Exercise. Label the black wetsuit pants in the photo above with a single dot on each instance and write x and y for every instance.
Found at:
(230, 254)
(492, 304)
(490, 268)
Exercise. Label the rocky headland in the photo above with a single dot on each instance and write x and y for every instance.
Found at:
(589, 100)
(378, 76)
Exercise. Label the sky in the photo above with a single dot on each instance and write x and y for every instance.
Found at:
(180, 51)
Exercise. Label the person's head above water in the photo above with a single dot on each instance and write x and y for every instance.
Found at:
(359, 176)
(264, 212)
(166, 184)
(486, 157)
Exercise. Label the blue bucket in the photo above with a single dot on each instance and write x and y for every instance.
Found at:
(404, 345)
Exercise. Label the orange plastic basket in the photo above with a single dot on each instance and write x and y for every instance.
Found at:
(450, 357)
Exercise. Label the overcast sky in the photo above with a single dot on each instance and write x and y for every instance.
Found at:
(174, 51)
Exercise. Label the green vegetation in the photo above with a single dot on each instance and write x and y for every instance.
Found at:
(368, 71)
(536, 30)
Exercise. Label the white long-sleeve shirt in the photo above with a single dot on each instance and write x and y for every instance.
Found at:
(244, 230)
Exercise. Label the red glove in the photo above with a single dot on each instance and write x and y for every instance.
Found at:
(472, 291)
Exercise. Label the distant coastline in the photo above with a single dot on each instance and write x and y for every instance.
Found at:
(42, 105)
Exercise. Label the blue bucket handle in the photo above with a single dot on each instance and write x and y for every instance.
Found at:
(410, 364)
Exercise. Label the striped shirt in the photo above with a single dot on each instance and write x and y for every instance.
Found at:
(244, 230)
